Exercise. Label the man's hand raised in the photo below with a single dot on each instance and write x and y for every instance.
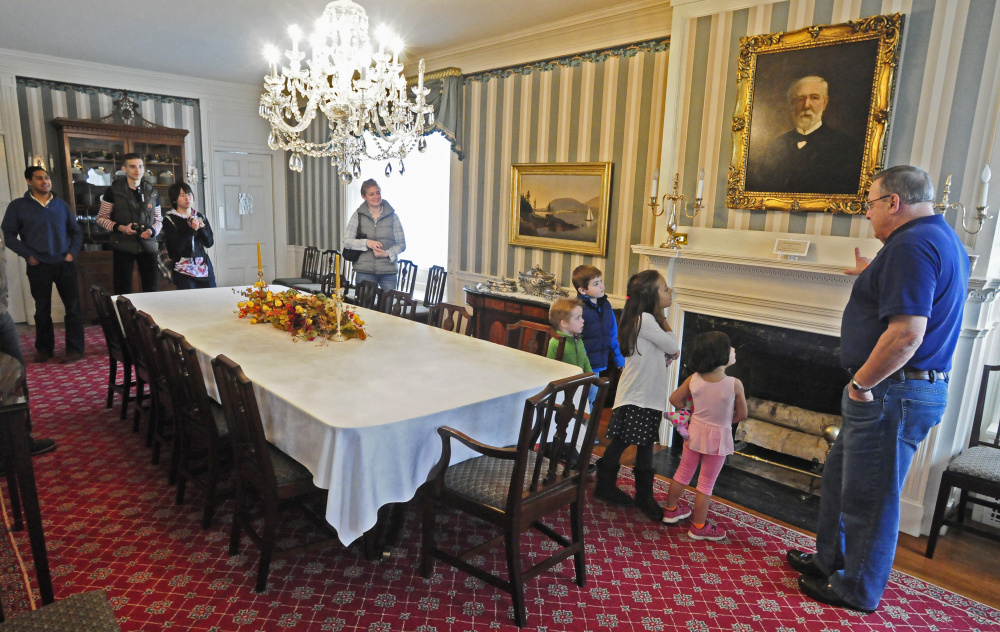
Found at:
(860, 263)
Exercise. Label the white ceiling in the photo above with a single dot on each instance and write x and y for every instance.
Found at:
(223, 39)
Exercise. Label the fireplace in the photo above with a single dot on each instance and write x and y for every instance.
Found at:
(793, 382)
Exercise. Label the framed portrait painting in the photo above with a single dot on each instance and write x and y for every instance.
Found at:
(561, 206)
(812, 114)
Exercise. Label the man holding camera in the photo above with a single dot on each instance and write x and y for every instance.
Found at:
(42, 229)
(130, 209)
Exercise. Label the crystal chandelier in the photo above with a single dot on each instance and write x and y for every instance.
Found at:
(362, 94)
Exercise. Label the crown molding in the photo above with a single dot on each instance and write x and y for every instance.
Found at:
(620, 24)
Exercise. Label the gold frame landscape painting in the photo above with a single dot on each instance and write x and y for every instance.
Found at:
(561, 206)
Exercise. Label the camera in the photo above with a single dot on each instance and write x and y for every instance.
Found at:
(140, 228)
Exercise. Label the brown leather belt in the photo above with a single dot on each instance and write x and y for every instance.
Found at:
(913, 374)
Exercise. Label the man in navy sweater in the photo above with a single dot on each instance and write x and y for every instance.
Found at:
(42, 228)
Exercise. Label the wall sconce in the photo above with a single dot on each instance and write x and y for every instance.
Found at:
(981, 210)
(674, 239)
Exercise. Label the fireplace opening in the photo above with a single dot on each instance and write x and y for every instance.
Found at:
(793, 382)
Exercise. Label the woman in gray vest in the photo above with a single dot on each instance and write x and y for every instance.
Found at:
(376, 230)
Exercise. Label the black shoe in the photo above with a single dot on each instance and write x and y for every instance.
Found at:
(819, 588)
(803, 563)
(606, 489)
(41, 446)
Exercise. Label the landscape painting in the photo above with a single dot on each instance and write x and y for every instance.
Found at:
(561, 206)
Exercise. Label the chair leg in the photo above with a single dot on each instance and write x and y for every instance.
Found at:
(266, 546)
(112, 381)
(127, 384)
(963, 501)
(579, 558)
(183, 464)
(234, 534)
(427, 541)
(140, 395)
(210, 488)
(514, 573)
(942, 503)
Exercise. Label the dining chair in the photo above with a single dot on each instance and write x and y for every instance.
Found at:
(202, 436)
(308, 274)
(398, 303)
(514, 488)
(118, 351)
(367, 294)
(81, 612)
(433, 293)
(406, 276)
(328, 284)
(279, 480)
(450, 317)
(127, 315)
(325, 267)
(162, 419)
(529, 336)
(975, 471)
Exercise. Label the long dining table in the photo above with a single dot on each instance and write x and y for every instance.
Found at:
(362, 416)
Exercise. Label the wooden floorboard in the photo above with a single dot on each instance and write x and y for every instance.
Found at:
(964, 563)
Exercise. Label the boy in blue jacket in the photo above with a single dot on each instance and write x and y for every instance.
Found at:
(600, 327)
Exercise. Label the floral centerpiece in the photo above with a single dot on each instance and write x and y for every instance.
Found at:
(305, 316)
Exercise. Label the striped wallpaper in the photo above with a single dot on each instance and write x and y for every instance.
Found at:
(605, 107)
(41, 101)
(937, 87)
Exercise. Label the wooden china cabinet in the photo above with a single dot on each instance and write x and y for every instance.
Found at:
(91, 152)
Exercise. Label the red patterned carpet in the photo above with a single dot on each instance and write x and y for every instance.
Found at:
(111, 523)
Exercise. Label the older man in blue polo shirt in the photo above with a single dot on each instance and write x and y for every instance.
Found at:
(42, 228)
(898, 335)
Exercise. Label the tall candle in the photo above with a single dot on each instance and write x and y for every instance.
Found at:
(259, 268)
(336, 269)
(656, 177)
(701, 183)
(986, 185)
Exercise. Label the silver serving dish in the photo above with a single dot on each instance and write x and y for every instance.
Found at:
(537, 281)
(501, 285)
(553, 294)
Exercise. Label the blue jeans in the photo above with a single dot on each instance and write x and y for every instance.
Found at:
(864, 473)
(385, 282)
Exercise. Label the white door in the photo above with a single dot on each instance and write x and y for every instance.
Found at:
(243, 199)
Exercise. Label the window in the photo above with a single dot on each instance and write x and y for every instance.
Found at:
(421, 198)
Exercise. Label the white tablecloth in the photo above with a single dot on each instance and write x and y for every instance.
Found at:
(362, 415)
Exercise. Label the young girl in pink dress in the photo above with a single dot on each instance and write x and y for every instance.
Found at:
(717, 402)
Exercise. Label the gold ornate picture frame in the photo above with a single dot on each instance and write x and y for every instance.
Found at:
(561, 206)
(783, 79)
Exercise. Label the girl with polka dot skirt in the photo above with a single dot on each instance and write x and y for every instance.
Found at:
(649, 346)
(717, 402)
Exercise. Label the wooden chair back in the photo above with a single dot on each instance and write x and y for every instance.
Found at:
(110, 326)
(188, 382)
(367, 294)
(328, 284)
(245, 426)
(128, 317)
(529, 336)
(346, 274)
(398, 303)
(434, 292)
(514, 489)
(406, 276)
(310, 263)
(162, 416)
(450, 317)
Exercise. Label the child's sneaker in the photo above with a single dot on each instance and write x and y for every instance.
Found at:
(675, 515)
(710, 531)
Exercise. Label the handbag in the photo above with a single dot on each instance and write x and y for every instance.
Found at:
(192, 266)
(351, 254)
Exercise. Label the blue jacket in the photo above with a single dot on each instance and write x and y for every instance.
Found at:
(47, 233)
(600, 332)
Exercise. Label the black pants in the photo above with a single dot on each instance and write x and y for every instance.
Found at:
(123, 263)
(41, 277)
(643, 453)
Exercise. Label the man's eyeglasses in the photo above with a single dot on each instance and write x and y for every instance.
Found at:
(867, 204)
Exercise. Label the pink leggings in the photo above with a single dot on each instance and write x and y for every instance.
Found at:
(711, 465)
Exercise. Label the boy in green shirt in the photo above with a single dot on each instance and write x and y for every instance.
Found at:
(566, 316)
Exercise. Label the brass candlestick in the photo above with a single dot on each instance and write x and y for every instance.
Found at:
(944, 206)
(674, 239)
(338, 298)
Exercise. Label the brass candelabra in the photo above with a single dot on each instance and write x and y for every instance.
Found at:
(338, 305)
(981, 211)
(674, 239)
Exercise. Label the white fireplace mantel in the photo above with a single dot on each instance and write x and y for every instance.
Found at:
(732, 274)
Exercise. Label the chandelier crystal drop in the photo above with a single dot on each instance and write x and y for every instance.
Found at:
(360, 92)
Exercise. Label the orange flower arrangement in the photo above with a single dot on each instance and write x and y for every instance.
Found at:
(305, 316)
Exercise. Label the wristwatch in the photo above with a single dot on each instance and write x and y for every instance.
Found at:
(858, 387)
